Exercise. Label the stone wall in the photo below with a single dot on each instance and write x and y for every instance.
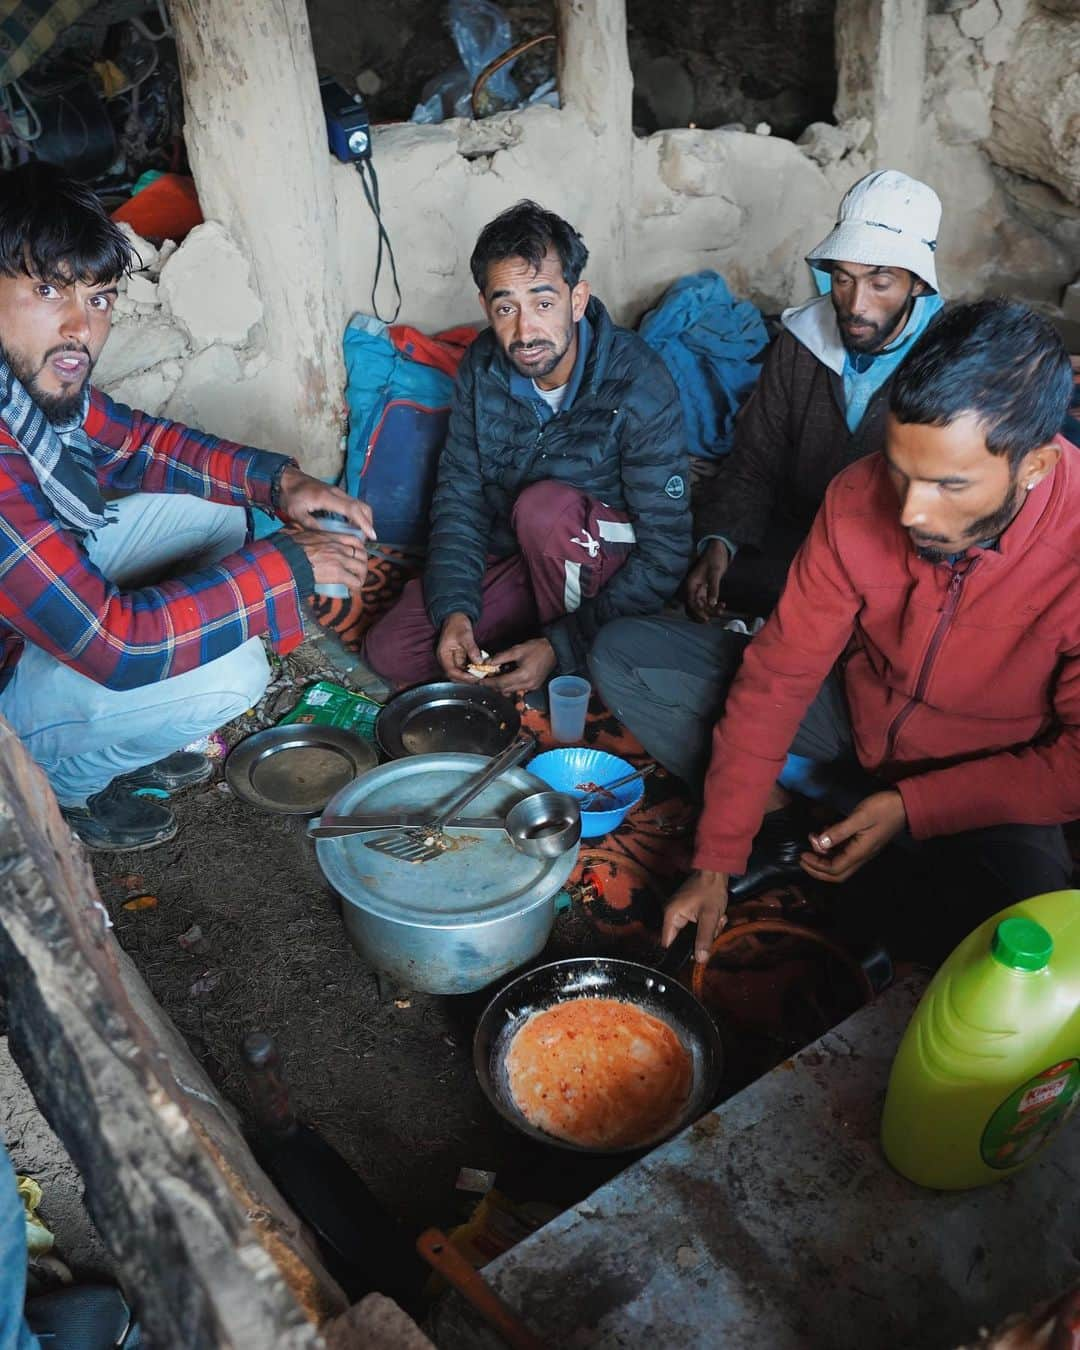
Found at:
(993, 125)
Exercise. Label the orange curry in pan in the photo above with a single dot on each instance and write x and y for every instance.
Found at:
(599, 1073)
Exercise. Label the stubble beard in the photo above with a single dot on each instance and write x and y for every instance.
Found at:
(58, 408)
(985, 530)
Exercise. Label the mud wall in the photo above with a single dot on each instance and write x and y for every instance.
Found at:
(946, 91)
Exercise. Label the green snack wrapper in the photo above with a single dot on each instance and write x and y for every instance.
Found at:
(330, 705)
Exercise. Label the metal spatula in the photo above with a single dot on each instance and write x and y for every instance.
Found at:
(428, 842)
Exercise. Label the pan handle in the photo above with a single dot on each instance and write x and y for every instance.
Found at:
(673, 958)
(440, 1253)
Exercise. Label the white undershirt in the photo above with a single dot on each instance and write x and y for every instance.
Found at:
(554, 398)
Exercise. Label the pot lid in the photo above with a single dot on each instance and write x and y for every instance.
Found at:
(483, 878)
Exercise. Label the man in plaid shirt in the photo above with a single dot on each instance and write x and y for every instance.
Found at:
(132, 598)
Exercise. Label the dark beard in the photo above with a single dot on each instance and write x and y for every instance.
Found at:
(58, 408)
(984, 531)
(882, 332)
(545, 367)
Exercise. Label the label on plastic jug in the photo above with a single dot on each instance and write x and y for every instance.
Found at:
(1025, 1120)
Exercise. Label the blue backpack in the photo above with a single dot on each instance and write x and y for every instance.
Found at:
(399, 388)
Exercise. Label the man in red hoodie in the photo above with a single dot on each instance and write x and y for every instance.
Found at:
(929, 630)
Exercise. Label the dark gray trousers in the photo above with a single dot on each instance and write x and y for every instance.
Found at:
(666, 679)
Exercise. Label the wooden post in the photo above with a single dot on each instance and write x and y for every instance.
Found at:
(206, 1248)
(594, 64)
(257, 142)
(595, 81)
(881, 69)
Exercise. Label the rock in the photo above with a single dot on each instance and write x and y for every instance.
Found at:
(133, 347)
(858, 131)
(824, 143)
(165, 252)
(149, 390)
(206, 283)
(207, 394)
(369, 82)
(1070, 302)
(1036, 108)
(148, 254)
(963, 116)
(976, 21)
(141, 290)
(997, 46)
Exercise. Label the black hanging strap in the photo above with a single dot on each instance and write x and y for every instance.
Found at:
(369, 181)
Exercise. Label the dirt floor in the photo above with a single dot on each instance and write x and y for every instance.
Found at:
(242, 933)
(385, 1075)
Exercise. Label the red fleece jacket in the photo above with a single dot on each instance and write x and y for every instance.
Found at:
(963, 680)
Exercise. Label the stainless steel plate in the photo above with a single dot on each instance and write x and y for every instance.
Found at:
(447, 719)
(294, 770)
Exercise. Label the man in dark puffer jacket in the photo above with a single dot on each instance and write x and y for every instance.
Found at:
(562, 499)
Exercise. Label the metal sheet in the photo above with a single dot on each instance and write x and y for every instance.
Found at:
(776, 1222)
(294, 770)
(483, 878)
(446, 718)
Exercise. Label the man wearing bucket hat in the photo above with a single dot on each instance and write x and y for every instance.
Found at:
(819, 405)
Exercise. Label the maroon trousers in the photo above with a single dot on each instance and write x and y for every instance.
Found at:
(571, 544)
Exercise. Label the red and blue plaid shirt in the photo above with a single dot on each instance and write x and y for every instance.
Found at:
(53, 596)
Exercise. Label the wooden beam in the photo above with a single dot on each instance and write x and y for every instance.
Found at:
(256, 138)
(206, 1249)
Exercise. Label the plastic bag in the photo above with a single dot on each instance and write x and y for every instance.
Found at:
(481, 32)
(445, 95)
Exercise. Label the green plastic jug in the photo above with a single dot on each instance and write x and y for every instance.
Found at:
(989, 1067)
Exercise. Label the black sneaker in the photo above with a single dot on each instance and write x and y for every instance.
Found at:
(116, 819)
(183, 769)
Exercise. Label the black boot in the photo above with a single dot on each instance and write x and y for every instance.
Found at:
(183, 769)
(774, 857)
(116, 819)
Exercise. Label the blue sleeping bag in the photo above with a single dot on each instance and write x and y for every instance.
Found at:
(712, 345)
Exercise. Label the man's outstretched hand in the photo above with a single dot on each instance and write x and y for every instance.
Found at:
(703, 583)
(532, 662)
(701, 899)
(843, 848)
(300, 496)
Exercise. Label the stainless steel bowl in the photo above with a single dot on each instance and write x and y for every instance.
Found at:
(544, 824)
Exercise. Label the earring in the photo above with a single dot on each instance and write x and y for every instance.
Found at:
(1029, 486)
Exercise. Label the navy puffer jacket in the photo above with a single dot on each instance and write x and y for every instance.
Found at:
(622, 441)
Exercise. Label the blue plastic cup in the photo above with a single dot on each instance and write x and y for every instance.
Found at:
(335, 524)
(568, 703)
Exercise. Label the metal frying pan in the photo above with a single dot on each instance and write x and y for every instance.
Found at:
(595, 977)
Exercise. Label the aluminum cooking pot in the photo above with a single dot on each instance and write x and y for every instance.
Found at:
(462, 920)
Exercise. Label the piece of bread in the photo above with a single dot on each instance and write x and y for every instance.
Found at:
(481, 669)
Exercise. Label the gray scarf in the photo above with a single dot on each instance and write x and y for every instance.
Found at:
(60, 454)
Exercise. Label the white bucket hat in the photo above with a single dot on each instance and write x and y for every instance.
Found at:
(886, 220)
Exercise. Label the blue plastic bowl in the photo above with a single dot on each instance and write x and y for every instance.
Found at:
(563, 770)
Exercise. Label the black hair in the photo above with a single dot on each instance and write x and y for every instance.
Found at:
(527, 231)
(996, 359)
(55, 228)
